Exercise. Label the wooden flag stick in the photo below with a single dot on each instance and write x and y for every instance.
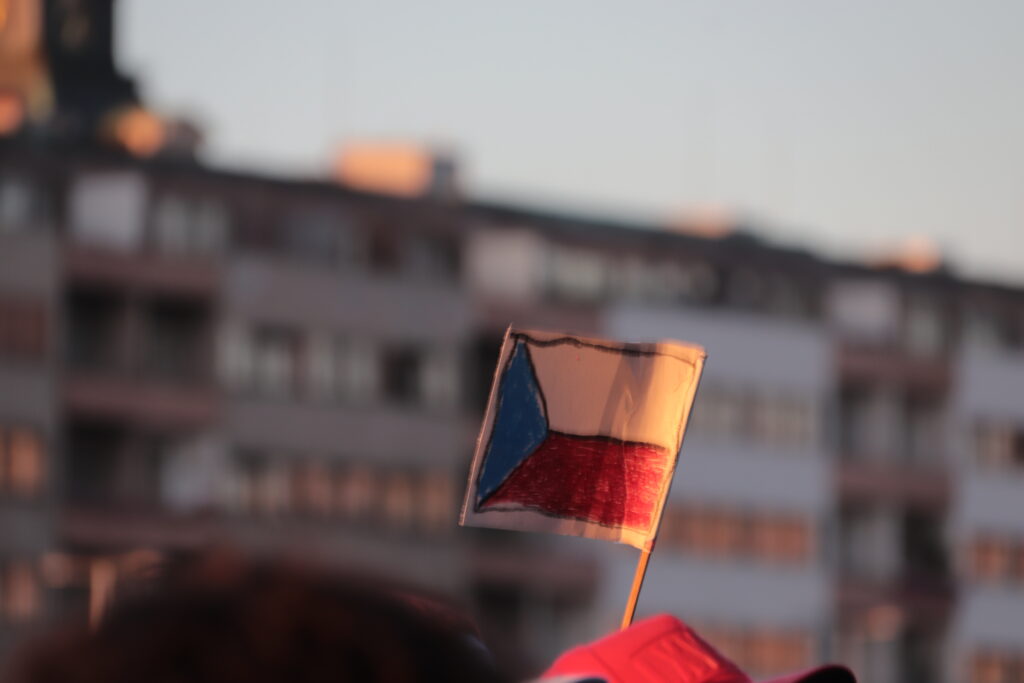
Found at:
(634, 592)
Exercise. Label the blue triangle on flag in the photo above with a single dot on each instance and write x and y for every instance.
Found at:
(520, 423)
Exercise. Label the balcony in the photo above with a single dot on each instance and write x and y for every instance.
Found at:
(146, 362)
(105, 528)
(143, 271)
(899, 483)
(858, 364)
(142, 401)
(572, 578)
(928, 597)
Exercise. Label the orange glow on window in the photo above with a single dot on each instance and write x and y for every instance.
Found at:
(139, 131)
(22, 596)
(389, 168)
(709, 221)
(916, 254)
(25, 455)
(12, 113)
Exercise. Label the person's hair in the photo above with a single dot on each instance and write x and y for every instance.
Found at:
(222, 619)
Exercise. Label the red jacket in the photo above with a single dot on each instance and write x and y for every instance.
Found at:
(662, 649)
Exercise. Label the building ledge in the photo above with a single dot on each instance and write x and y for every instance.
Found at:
(132, 525)
(925, 597)
(572, 578)
(860, 364)
(149, 272)
(907, 485)
(141, 401)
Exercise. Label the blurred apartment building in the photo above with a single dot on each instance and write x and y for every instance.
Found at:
(190, 356)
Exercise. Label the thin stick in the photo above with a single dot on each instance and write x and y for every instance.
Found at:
(634, 592)
(102, 579)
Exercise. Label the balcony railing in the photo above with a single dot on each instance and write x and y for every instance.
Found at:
(892, 481)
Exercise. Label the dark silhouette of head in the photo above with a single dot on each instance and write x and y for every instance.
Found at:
(221, 619)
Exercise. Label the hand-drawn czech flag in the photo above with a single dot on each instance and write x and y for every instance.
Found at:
(581, 436)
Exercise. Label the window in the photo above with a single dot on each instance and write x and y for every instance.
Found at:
(437, 504)
(854, 421)
(434, 257)
(93, 340)
(724, 534)
(999, 445)
(275, 354)
(398, 503)
(321, 368)
(768, 418)
(705, 282)
(794, 541)
(22, 328)
(263, 485)
(248, 468)
(763, 651)
(385, 254)
(20, 597)
(439, 378)
(192, 472)
(924, 424)
(106, 210)
(271, 488)
(358, 368)
(991, 559)
(787, 297)
(176, 340)
(402, 374)
(993, 666)
(1017, 563)
(730, 533)
(865, 311)
(504, 264)
(316, 237)
(673, 282)
(211, 227)
(343, 369)
(772, 651)
(21, 204)
(746, 288)
(171, 225)
(235, 356)
(924, 328)
(801, 421)
(24, 476)
(399, 500)
(312, 488)
(981, 325)
(719, 413)
(576, 274)
(629, 279)
(356, 490)
(636, 280)
(185, 226)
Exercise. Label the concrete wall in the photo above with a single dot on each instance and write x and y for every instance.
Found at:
(384, 307)
(760, 354)
(991, 386)
(320, 300)
(28, 269)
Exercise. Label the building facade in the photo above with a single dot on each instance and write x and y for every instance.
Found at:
(191, 357)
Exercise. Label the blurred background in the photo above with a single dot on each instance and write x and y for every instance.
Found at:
(256, 260)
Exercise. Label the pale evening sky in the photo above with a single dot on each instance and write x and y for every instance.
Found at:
(838, 125)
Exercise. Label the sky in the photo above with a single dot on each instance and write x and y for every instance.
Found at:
(841, 126)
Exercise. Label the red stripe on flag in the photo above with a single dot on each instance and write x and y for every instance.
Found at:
(598, 480)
